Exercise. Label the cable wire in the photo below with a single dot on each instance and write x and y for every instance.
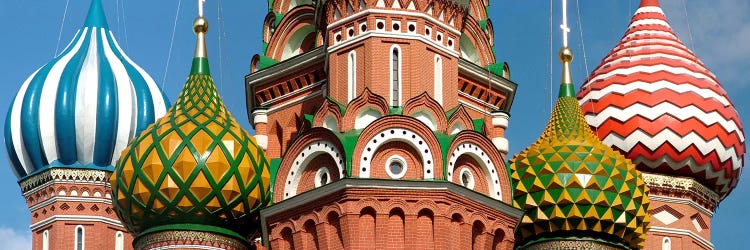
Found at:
(550, 56)
(171, 44)
(62, 24)
(219, 20)
(690, 30)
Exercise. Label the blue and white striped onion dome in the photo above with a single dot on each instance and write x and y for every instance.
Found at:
(82, 108)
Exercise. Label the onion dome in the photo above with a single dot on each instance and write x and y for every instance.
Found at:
(195, 168)
(653, 100)
(81, 109)
(573, 187)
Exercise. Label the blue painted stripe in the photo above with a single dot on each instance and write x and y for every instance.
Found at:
(15, 163)
(65, 107)
(143, 99)
(30, 113)
(106, 111)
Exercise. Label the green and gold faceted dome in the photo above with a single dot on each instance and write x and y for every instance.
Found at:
(195, 168)
(574, 187)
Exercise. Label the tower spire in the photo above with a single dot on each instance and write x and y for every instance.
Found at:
(95, 17)
(645, 3)
(200, 27)
(566, 56)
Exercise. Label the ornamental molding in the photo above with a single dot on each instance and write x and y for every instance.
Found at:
(64, 175)
(206, 240)
(664, 184)
(571, 245)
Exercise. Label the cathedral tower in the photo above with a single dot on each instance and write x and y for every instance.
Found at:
(66, 128)
(384, 121)
(652, 99)
(194, 179)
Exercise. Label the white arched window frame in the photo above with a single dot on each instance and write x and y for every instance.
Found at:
(80, 238)
(352, 75)
(119, 240)
(438, 79)
(45, 240)
(396, 76)
(666, 244)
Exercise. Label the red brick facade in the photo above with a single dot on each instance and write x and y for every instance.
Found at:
(68, 204)
(400, 143)
(681, 211)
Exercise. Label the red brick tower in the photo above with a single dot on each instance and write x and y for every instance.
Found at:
(385, 122)
(65, 129)
(652, 99)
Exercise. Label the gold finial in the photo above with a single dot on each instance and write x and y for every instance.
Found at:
(566, 55)
(200, 27)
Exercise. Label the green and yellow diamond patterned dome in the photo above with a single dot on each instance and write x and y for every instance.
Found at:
(574, 187)
(193, 169)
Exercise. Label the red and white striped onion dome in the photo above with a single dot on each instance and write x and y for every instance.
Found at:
(652, 99)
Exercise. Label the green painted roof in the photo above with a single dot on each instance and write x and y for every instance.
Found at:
(194, 166)
(572, 185)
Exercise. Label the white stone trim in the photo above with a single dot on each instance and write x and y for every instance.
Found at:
(471, 183)
(68, 199)
(690, 234)
(438, 79)
(45, 240)
(260, 116)
(310, 151)
(262, 141)
(500, 119)
(351, 75)
(399, 159)
(282, 97)
(294, 101)
(119, 240)
(399, 134)
(385, 34)
(322, 172)
(501, 144)
(75, 218)
(393, 12)
(476, 152)
(691, 203)
(471, 106)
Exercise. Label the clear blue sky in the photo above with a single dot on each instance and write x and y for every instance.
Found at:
(720, 32)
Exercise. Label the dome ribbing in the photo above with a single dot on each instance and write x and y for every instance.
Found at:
(652, 99)
(195, 168)
(81, 109)
(574, 187)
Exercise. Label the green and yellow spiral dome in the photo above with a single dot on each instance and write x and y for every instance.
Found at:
(574, 187)
(193, 169)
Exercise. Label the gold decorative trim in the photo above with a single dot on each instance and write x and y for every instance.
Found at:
(166, 238)
(571, 245)
(659, 182)
(64, 174)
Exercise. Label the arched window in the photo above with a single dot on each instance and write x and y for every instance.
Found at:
(80, 238)
(395, 76)
(45, 240)
(666, 244)
(352, 76)
(438, 79)
(119, 241)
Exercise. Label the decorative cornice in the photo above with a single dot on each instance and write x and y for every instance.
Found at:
(664, 185)
(64, 174)
(77, 219)
(688, 233)
(173, 238)
(571, 245)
